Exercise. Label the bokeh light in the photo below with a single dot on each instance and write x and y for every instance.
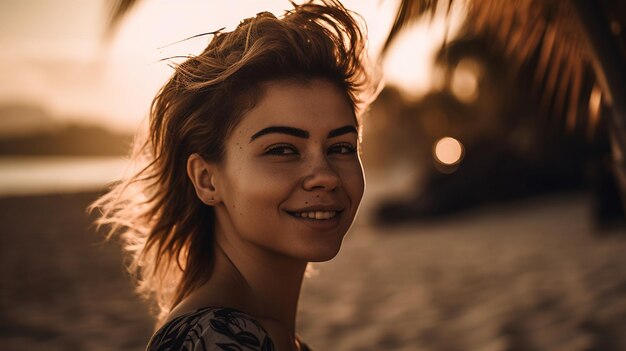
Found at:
(448, 151)
(464, 84)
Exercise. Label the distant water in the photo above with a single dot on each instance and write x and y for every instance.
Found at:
(46, 175)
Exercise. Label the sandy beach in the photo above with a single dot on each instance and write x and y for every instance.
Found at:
(525, 276)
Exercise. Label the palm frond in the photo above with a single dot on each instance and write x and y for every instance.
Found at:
(118, 9)
(410, 11)
(521, 30)
(570, 39)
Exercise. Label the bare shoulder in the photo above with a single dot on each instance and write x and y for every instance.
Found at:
(211, 328)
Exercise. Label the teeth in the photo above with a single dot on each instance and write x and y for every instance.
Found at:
(316, 214)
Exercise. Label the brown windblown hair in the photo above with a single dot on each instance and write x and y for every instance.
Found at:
(166, 230)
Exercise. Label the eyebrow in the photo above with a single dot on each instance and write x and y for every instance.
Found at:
(301, 133)
(343, 130)
(297, 132)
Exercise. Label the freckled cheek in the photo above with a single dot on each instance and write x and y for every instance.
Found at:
(263, 190)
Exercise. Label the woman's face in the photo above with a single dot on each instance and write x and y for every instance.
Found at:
(291, 179)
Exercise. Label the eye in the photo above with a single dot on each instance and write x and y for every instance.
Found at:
(281, 150)
(342, 149)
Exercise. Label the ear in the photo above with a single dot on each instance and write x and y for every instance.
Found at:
(202, 175)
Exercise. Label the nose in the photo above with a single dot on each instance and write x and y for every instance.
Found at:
(321, 176)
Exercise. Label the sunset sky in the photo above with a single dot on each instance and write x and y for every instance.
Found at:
(53, 53)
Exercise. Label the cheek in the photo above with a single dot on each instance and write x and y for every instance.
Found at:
(257, 191)
(354, 182)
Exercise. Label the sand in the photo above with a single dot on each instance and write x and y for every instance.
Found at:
(527, 276)
(62, 287)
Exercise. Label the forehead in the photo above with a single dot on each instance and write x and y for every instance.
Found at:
(313, 105)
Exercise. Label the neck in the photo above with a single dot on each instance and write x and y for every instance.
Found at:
(266, 284)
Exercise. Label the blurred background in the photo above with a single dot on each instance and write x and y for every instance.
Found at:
(492, 218)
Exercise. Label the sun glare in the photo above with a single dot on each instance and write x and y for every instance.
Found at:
(112, 83)
(409, 63)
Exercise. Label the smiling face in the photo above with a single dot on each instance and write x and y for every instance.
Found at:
(291, 180)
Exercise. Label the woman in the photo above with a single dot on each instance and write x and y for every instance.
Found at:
(252, 171)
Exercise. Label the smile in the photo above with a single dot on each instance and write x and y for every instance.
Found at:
(315, 214)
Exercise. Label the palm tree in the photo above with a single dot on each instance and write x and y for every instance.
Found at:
(569, 38)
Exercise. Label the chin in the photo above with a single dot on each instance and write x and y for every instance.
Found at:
(322, 253)
(323, 258)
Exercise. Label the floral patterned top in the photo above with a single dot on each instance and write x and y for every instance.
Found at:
(212, 329)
